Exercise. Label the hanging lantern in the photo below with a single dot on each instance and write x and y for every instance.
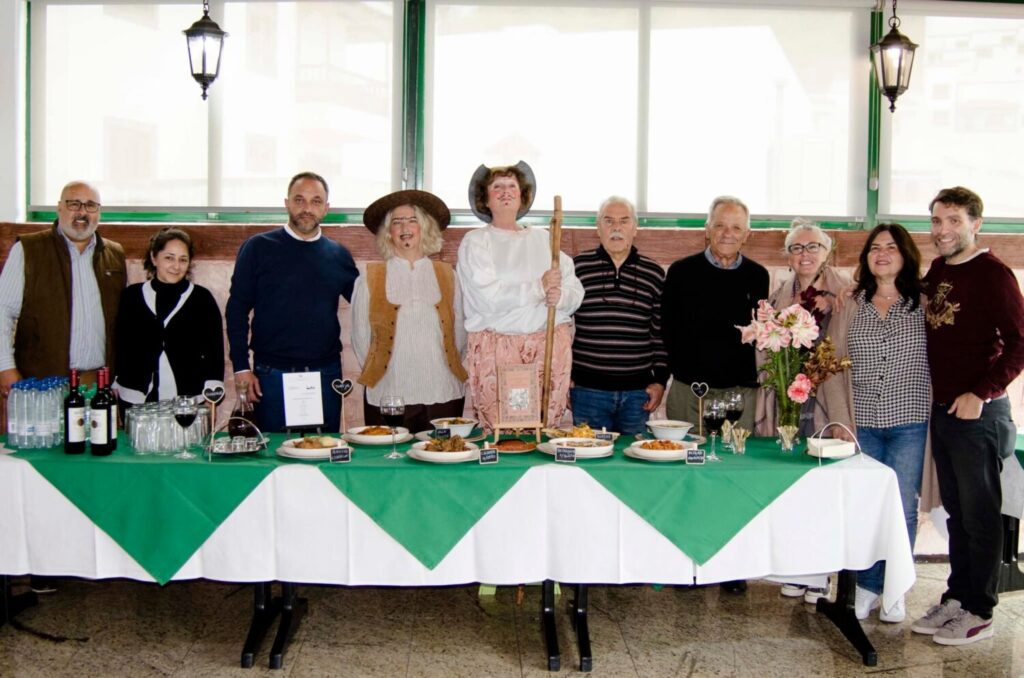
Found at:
(205, 41)
(893, 59)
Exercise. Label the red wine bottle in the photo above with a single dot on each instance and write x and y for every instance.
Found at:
(113, 410)
(99, 432)
(74, 418)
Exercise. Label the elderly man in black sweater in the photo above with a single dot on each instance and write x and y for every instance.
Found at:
(706, 296)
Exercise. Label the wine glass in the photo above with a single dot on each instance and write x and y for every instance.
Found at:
(392, 408)
(714, 417)
(733, 410)
(184, 414)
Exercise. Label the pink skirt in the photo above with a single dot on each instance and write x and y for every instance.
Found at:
(488, 349)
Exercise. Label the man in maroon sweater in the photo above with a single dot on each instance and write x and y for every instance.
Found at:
(975, 327)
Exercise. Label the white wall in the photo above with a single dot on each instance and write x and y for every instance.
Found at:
(12, 126)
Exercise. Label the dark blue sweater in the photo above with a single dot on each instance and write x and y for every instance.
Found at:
(292, 288)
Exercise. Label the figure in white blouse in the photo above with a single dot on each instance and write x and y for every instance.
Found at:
(407, 326)
(508, 284)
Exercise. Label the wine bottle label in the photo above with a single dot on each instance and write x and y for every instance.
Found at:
(76, 425)
(113, 421)
(98, 434)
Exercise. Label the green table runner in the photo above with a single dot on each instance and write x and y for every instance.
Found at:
(701, 508)
(160, 510)
(427, 508)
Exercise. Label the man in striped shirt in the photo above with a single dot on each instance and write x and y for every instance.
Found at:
(619, 366)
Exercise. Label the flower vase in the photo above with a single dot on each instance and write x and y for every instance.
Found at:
(789, 422)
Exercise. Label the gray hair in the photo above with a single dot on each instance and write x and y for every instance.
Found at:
(800, 225)
(615, 200)
(431, 239)
(727, 200)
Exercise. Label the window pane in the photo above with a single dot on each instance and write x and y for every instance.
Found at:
(554, 86)
(113, 103)
(307, 86)
(765, 104)
(961, 122)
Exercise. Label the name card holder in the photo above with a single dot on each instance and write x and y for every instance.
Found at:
(565, 454)
(488, 455)
(442, 434)
(695, 456)
(604, 435)
(341, 455)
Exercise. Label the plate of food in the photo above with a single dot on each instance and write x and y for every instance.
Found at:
(691, 438)
(459, 426)
(659, 450)
(474, 437)
(310, 447)
(377, 435)
(586, 448)
(581, 431)
(451, 451)
(514, 446)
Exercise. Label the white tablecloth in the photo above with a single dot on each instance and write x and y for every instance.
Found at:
(556, 523)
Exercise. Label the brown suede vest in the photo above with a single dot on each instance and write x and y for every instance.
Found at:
(384, 316)
(42, 340)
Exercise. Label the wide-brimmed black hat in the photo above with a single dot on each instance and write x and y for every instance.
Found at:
(480, 176)
(374, 215)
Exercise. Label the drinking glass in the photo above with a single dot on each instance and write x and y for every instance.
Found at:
(733, 411)
(185, 415)
(714, 417)
(392, 408)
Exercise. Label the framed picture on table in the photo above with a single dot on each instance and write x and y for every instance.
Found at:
(518, 399)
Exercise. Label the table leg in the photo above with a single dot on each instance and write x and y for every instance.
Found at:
(578, 615)
(265, 610)
(1010, 576)
(10, 604)
(547, 620)
(842, 614)
(292, 610)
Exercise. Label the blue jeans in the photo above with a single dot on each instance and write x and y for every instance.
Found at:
(269, 411)
(621, 411)
(901, 448)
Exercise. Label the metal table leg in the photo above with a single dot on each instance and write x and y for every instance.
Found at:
(10, 604)
(578, 615)
(292, 610)
(547, 620)
(265, 610)
(1010, 576)
(842, 614)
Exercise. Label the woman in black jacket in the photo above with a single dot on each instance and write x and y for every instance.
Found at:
(170, 335)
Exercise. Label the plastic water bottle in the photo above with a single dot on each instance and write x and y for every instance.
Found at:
(13, 437)
(26, 423)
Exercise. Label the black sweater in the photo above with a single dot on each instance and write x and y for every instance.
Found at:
(193, 338)
(700, 308)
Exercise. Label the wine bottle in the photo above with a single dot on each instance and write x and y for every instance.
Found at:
(113, 410)
(74, 418)
(99, 433)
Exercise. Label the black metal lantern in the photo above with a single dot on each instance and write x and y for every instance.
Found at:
(205, 41)
(893, 59)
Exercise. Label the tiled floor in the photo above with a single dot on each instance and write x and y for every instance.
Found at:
(123, 628)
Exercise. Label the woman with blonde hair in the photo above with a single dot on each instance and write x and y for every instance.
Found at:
(407, 326)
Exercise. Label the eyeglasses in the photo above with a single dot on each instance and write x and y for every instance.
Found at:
(812, 247)
(402, 221)
(88, 205)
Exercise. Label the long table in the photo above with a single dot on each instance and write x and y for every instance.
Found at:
(403, 522)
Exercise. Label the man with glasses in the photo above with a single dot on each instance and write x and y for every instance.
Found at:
(62, 287)
(290, 280)
(619, 366)
(707, 295)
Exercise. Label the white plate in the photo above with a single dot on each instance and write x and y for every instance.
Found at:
(353, 436)
(417, 452)
(552, 433)
(830, 448)
(308, 455)
(638, 452)
(690, 438)
(581, 452)
(585, 447)
(427, 435)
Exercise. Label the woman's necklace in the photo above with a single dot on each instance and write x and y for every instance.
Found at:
(887, 297)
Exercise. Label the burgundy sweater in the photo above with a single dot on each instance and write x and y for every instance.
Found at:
(975, 326)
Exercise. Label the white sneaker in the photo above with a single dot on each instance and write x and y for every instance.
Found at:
(864, 602)
(813, 594)
(895, 614)
(792, 590)
(936, 617)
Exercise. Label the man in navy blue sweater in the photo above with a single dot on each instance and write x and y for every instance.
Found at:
(290, 279)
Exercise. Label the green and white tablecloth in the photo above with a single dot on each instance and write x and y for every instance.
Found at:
(380, 521)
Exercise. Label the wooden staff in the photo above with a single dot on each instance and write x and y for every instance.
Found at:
(556, 250)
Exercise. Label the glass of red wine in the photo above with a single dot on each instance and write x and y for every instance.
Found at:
(392, 408)
(185, 415)
(733, 410)
(714, 417)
